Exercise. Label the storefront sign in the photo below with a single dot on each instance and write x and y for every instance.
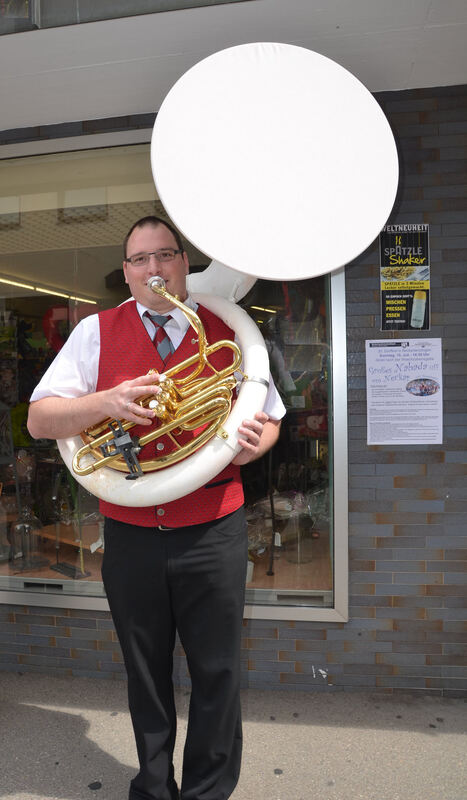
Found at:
(405, 277)
(404, 391)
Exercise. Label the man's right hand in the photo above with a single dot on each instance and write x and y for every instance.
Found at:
(60, 417)
(120, 401)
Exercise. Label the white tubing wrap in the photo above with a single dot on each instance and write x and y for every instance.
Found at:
(168, 484)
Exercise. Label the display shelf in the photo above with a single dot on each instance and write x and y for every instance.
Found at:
(69, 534)
(91, 563)
(289, 575)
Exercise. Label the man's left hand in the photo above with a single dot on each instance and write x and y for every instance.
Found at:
(256, 436)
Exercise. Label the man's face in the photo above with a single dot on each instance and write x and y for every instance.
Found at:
(146, 240)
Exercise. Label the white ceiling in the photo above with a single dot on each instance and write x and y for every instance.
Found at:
(126, 66)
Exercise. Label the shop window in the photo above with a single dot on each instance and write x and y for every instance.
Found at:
(289, 493)
(60, 260)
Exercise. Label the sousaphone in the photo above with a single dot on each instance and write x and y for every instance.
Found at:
(277, 163)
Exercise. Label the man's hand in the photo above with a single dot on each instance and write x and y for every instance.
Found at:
(257, 436)
(59, 417)
(120, 401)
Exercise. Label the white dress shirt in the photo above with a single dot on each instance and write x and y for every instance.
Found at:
(75, 369)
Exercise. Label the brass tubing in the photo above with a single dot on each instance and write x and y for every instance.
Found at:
(215, 393)
(201, 383)
(192, 402)
(213, 409)
(157, 285)
(187, 417)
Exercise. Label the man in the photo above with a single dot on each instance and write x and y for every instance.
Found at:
(180, 566)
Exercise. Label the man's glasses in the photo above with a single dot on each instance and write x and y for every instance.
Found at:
(142, 259)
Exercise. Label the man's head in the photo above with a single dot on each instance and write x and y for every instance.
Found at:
(151, 235)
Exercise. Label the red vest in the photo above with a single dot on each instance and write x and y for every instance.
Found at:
(126, 352)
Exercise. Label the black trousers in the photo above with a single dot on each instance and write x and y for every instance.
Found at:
(192, 580)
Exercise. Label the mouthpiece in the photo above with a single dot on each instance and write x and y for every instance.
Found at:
(156, 283)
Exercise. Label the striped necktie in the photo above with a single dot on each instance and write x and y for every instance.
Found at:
(161, 339)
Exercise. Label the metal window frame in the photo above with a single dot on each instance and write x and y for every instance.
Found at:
(37, 11)
(339, 611)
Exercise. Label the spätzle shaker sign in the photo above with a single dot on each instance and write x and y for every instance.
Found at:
(405, 277)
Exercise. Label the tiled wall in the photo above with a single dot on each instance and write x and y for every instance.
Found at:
(59, 641)
(408, 505)
(407, 515)
(84, 128)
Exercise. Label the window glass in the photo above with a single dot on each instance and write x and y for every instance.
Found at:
(289, 492)
(28, 15)
(63, 218)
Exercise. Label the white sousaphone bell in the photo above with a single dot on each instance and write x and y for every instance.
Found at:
(277, 163)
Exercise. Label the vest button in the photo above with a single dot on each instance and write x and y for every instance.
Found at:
(160, 512)
(159, 446)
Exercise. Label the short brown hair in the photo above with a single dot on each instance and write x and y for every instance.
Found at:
(154, 222)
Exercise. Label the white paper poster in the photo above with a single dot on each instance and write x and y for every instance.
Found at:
(404, 391)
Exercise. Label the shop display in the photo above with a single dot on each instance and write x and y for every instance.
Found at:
(26, 542)
(5, 546)
(41, 522)
(289, 515)
(62, 510)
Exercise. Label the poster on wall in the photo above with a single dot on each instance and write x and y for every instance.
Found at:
(404, 391)
(405, 277)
